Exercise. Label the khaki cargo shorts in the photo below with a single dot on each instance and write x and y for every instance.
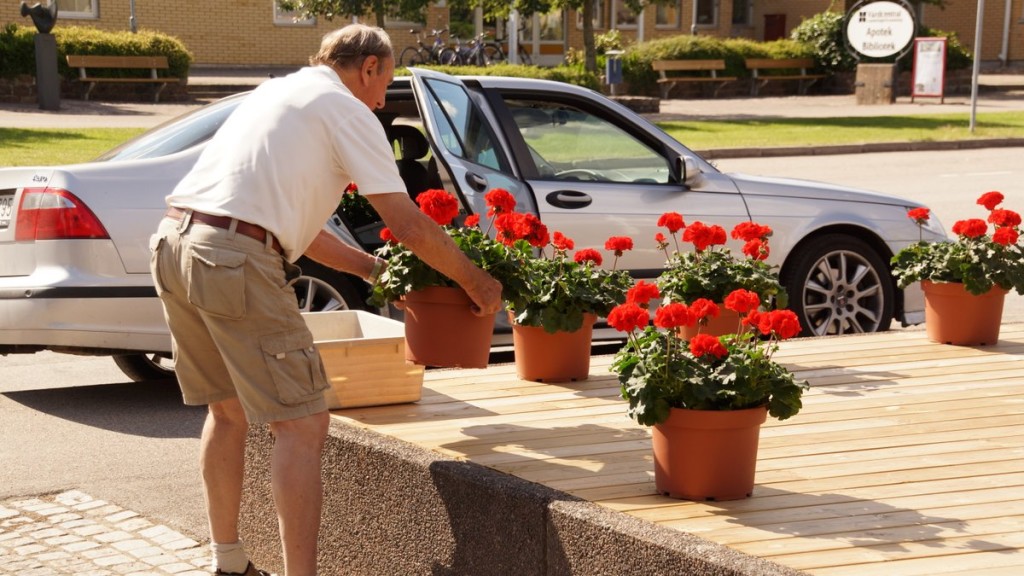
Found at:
(235, 323)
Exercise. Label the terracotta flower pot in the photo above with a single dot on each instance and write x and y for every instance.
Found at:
(728, 322)
(952, 315)
(707, 454)
(557, 357)
(442, 330)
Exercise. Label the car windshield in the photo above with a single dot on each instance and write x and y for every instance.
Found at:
(175, 135)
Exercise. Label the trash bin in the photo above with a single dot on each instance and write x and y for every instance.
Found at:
(613, 69)
(875, 84)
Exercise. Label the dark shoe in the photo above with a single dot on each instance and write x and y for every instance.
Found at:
(250, 570)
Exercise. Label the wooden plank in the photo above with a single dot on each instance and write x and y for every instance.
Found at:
(907, 457)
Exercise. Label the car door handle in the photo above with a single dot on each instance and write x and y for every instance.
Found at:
(569, 199)
(476, 181)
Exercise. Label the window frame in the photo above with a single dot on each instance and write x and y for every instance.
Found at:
(678, 24)
(93, 14)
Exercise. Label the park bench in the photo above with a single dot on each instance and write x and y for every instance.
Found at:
(781, 69)
(115, 63)
(687, 71)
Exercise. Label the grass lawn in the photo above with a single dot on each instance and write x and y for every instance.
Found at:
(25, 147)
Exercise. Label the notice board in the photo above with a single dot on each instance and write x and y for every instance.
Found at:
(929, 68)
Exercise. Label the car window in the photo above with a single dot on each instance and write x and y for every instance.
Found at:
(568, 143)
(176, 134)
(461, 126)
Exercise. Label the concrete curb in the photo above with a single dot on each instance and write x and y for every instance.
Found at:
(720, 153)
(391, 507)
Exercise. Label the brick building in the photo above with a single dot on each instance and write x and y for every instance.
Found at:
(256, 33)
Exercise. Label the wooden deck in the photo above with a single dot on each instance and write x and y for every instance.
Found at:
(908, 457)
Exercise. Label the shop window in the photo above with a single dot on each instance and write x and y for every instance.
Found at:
(666, 16)
(75, 9)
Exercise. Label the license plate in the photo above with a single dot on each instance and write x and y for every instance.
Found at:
(6, 210)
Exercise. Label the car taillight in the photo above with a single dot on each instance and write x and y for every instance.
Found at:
(55, 214)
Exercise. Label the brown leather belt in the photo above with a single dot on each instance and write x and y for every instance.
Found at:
(244, 228)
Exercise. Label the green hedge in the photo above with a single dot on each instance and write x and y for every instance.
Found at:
(636, 62)
(17, 47)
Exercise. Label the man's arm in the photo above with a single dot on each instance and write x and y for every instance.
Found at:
(427, 240)
(328, 250)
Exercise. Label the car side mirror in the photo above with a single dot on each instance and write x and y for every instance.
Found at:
(685, 171)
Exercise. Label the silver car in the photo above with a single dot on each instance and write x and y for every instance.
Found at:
(74, 258)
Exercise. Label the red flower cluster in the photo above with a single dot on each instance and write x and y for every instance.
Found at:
(971, 228)
(588, 255)
(499, 201)
(783, 323)
(673, 315)
(619, 244)
(1006, 222)
(562, 242)
(629, 317)
(441, 206)
(919, 215)
(742, 301)
(515, 226)
(702, 236)
(671, 220)
(642, 293)
(991, 199)
(704, 344)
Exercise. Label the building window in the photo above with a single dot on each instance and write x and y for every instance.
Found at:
(667, 16)
(549, 25)
(742, 12)
(290, 17)
(78, 9)
(599, 6)
(622, 16)
(707, 13)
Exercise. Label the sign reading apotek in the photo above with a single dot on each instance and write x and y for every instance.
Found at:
(880, 29)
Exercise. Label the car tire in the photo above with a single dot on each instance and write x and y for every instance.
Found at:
(838, 284)
(318, 289)
(145, 367)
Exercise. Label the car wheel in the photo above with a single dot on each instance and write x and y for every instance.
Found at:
(318, 289)
(145, 367)
(838, 284)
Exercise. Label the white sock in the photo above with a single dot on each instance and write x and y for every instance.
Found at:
(230, 557)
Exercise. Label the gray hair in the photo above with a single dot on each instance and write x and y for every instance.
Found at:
(348, 47)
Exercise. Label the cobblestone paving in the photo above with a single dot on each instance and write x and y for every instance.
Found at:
(73, 533)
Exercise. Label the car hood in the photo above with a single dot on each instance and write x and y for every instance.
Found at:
(809, 189)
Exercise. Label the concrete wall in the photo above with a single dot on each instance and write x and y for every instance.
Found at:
(391, 507)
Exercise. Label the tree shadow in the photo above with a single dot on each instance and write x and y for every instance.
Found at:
(150, 409)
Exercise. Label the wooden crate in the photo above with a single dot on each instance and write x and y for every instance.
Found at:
(364, 356)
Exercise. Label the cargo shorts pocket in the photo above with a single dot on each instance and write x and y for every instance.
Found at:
(294, 365)
(216, 280)
(156, 242)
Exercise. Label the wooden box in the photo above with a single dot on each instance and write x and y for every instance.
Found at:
(364, 357)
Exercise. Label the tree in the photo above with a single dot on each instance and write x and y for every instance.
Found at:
(411, 10)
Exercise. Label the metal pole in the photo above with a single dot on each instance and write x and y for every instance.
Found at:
(513, 37)
(977, 64)
(131, 17)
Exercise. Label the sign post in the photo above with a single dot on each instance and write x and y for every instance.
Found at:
(878, 29)
(929, 68)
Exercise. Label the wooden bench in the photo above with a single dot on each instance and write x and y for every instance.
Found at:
(686, 71)
(789, 66)
(153, 63)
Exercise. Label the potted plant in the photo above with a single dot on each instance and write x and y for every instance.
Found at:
(711, 271)
(555, 299)
(965, 280)
(359, 215)
(705, 397)
(441, 329)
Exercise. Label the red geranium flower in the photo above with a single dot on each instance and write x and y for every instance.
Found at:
(588, 255)
(742, 301)
(441, 206)
(991, 199)
(783, 323)
(757, 249)
(972, 228)
(619, 244)
(642, 293)
(702, 308)
(703, 236)
(387, 236)
(351, 188)
(748, 231)
(919, 215)
(499, 201)
(1005, 236)
(1004, 218)
(704, 344)
(673, 221)
(628, 317)
(673, 315)
(472, 220)
(563, 242)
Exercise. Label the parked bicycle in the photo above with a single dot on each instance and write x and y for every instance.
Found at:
(436, 53)
(478, 53)
(500, 56)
